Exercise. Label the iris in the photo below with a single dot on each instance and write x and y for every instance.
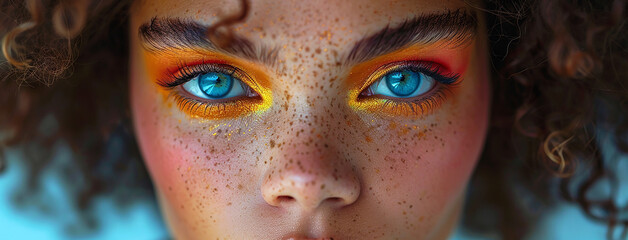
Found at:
(403, 83)
(215, 84)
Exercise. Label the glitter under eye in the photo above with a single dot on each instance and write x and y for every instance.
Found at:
(216, 90)
(407, 88)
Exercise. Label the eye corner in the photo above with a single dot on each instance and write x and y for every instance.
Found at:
(365, 93)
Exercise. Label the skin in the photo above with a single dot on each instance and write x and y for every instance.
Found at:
(310, 163)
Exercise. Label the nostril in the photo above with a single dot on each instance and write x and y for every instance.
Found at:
(335, 201)
(285, 199)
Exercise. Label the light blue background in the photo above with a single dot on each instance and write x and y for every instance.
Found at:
(138, 221)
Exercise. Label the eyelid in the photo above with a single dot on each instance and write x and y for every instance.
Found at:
(185, 73)
(412, 107)
(431, 69)
(259, 98)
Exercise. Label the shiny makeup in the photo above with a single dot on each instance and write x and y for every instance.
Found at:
(427, 87)
(177, 76)
(323, 119)
(211, 90)
(441, 63)
(454, 28)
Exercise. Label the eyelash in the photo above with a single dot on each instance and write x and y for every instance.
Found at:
(208, 108)
(185, 73)
(445, 82)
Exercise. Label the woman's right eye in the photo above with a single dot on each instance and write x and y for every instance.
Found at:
(216, 86)
(216, 91)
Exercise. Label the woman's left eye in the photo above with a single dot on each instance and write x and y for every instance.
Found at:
(404, 83)
(215, 85)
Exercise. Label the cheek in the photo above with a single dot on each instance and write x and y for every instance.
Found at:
(197, 168)
(427, 163)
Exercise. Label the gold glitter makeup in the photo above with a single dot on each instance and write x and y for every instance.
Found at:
(164, 67)
(445, 62)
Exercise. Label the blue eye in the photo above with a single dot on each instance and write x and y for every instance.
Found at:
(405, 83)
(215, 85)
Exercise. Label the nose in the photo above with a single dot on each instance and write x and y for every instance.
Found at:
(309, 177)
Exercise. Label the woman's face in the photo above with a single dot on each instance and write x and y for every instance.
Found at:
(321, 119)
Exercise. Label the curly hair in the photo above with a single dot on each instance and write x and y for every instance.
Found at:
(559, 101)
(559, 85)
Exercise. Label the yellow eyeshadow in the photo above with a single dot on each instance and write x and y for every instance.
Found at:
(392, 108)
(231, 109)
(379, 105)
(364, 74)
(389, 107)
(160, 65)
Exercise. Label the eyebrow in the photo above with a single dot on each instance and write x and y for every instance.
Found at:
(456, 27)
(161, 34)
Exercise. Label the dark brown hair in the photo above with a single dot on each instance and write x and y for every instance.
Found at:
(559, 83)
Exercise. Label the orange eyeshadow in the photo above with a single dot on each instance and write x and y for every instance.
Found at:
(451, 59)
(162, 65)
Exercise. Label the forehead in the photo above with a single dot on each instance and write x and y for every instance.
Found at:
(282, 21)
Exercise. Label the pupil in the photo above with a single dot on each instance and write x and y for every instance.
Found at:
(215, 84)
(403, 83)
